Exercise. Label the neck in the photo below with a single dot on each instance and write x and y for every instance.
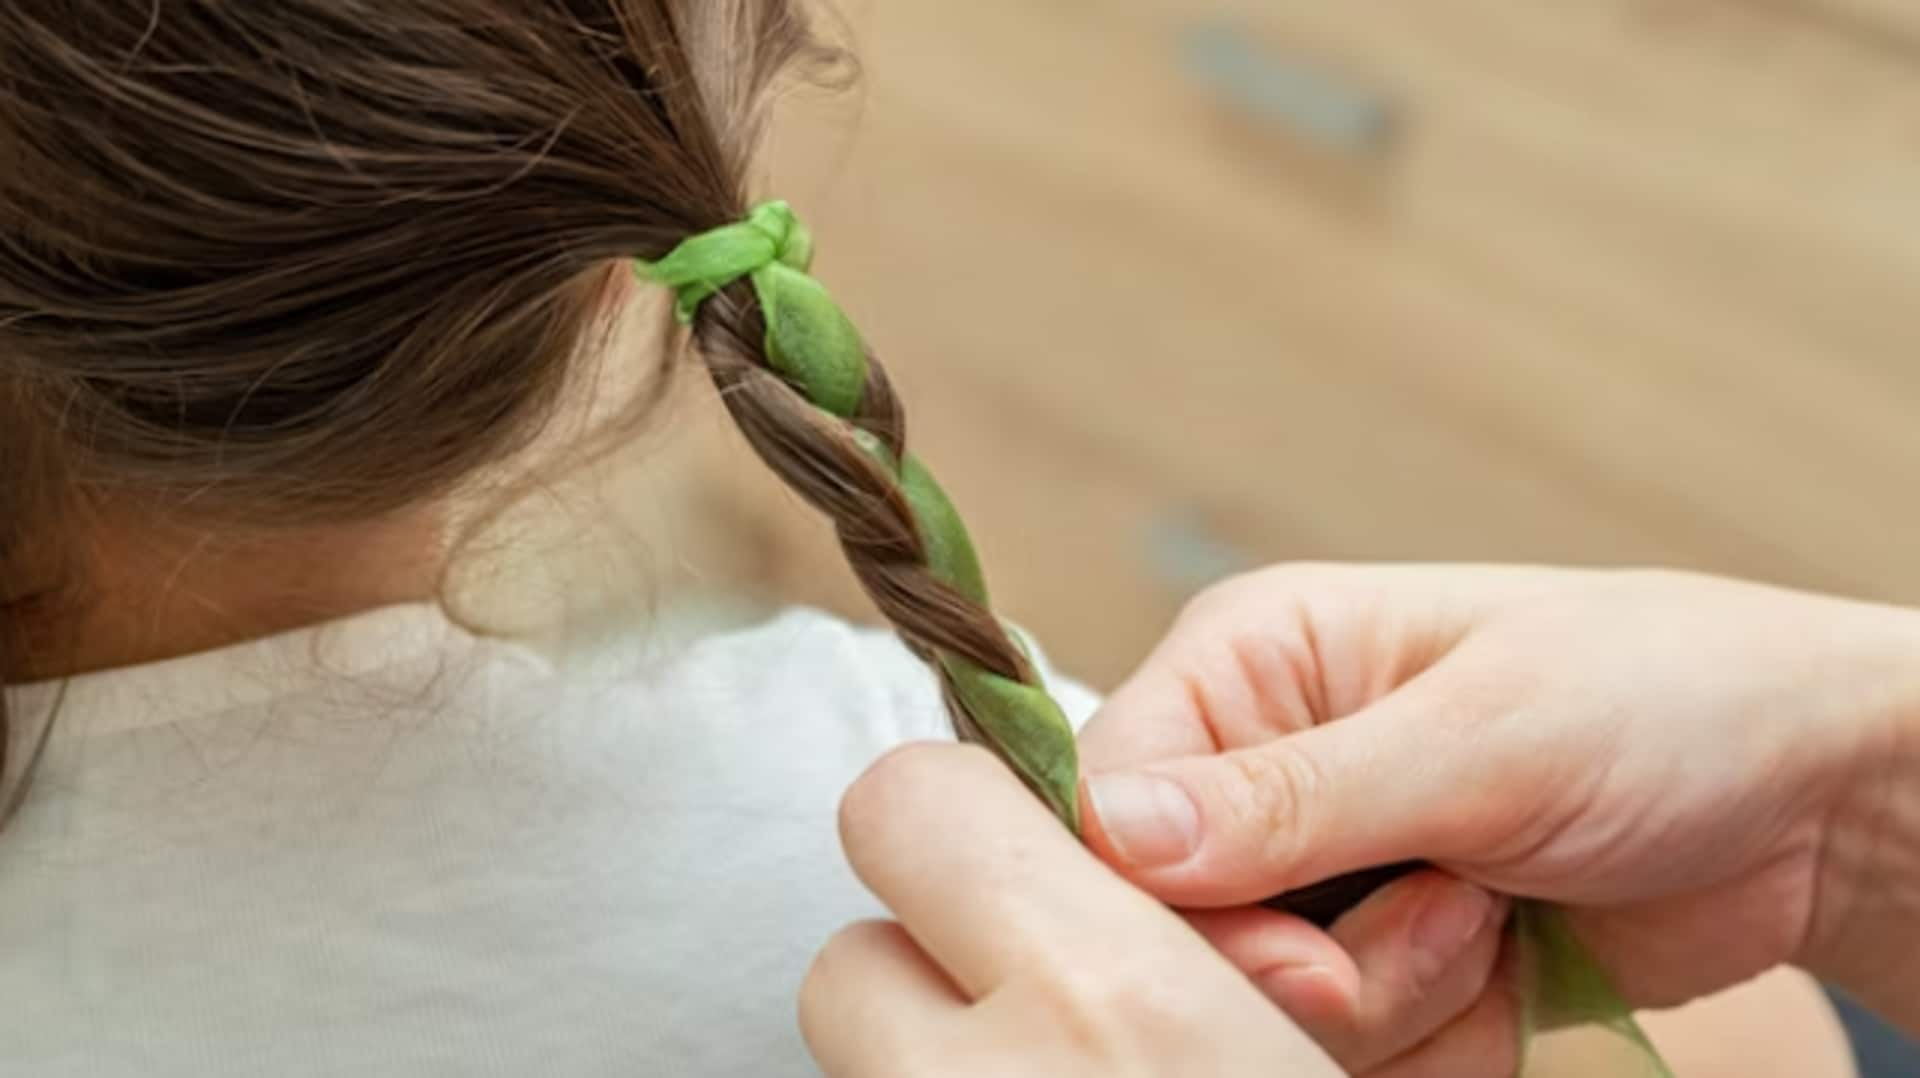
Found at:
(159, 591)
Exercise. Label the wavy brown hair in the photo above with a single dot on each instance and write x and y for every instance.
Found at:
(265, 264)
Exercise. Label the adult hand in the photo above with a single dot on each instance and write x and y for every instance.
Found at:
(1017, 953)
(1714, 777)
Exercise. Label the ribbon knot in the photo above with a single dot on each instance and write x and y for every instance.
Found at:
(810, 341)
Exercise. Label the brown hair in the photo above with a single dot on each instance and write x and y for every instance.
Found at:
(271, 263)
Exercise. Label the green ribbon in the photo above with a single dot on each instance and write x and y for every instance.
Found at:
(809, 339)
(1563, 987)
(1021, 723)
(813, 345)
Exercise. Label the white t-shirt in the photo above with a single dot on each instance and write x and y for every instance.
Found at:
(387, 847)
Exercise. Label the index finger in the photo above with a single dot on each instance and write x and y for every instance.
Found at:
(1234, 670)
(1284, 649)
(985, 879)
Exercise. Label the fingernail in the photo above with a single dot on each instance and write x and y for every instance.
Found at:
(1150, 820)
(1451, 920)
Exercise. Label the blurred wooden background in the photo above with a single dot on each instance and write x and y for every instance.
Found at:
(1637, 284)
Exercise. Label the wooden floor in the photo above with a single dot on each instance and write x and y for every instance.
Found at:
(1638, 284)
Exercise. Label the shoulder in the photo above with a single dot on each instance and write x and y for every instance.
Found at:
(806, 661)
(805, 654)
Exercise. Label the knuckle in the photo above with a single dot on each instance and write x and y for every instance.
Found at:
(882, 805)
(1243, 590)
(1269, 797)
(1220, 595)
(828, 962)
(1095, 1021)
(1249, 599)
(1110, 1012)
(860, 937)
(815, 990)
(836, 1023)
(836, 963)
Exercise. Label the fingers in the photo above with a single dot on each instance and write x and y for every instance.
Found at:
(1393, 783)
(989, 882)
(1152, 717)
(1238, 667)
(1426, 949)
(1217, 776)
(1300, 968)
(1397, 970)
(1277, 651)
(1483, 1043)
(871, 997)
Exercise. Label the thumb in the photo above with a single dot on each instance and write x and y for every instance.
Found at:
(1395, 782)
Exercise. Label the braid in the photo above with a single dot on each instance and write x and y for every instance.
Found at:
(799, 381)
(817, 455)
(818, 408)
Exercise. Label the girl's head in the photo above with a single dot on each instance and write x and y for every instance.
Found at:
(317, 258)
(271, 265)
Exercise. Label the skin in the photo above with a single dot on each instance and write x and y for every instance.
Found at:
(1018, 953)
(1718, 779)
(180, 589)
(152, 585)
(1049, 966)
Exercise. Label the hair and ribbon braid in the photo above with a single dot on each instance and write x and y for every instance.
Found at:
(818, 409)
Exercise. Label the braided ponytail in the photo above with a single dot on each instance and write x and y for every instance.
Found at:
(817, 407)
